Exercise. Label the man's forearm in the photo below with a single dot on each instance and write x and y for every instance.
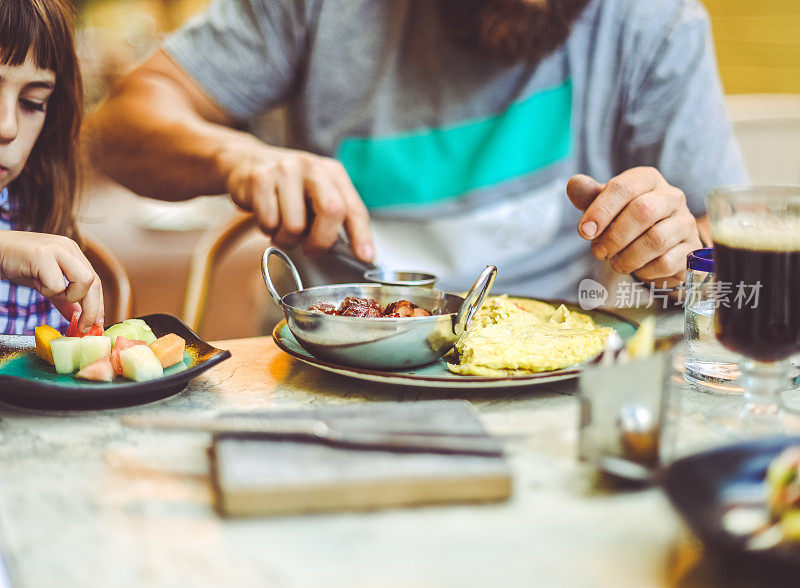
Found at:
(149, 140)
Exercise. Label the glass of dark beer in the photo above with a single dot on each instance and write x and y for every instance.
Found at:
(756, 232)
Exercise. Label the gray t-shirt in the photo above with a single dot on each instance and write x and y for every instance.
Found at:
(463, 160)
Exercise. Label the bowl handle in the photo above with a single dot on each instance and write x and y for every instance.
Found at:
(270, 251)
(474, 299)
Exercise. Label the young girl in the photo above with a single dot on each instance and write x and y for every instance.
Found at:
(44, 276)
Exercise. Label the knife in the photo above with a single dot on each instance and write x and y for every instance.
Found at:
(319, 431)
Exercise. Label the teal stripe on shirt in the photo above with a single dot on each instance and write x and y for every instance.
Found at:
(434, 164)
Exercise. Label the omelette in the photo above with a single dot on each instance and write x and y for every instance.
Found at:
(515, 336)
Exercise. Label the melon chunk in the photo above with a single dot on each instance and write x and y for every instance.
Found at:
(66, 354)
(121, 330)
(143, 330)
(169, 349)
(93, 347)
(139, 363)
(99, 370)
(120, 345)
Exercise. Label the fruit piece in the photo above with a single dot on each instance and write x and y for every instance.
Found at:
(168, 349)
(93, 347)
(66, 354)
(143, 331)
(74, 331)
(121, 345)
(790, 524)
(99, 370)
(122, 330)
(139, 363)
(44, 334)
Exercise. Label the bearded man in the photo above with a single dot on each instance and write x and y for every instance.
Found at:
(441, 135)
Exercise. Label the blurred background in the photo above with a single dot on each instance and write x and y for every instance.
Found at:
(758, 47)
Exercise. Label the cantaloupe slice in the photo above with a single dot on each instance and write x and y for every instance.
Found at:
(169, 349)
(139, 363)
(99, 370)
(121, 344)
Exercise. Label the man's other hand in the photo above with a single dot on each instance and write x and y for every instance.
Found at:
(638, 222)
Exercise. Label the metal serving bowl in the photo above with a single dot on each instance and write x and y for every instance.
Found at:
(379, 343)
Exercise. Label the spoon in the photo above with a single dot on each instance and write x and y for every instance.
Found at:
(342, 250)
(638, 433)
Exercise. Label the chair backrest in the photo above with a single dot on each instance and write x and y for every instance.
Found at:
(116, 285)
(208, 251)
(767, 127)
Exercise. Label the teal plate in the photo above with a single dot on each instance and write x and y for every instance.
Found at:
(28, 381)
(436, 374)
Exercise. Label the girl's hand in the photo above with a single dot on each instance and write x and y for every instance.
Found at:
(57, 268)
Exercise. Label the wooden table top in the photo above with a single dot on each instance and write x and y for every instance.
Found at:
(87, 502)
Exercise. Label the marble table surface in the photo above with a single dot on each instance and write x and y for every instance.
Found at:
(87, 502)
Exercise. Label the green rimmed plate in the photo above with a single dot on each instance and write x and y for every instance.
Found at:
(436, 374)
(28, 381)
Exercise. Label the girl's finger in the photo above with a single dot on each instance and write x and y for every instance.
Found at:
(79, 274)
(50, 280)
(92, 307)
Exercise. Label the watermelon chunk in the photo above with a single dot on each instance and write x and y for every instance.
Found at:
(120, 345)
(100, 370)
(169, 349)
(74, 331)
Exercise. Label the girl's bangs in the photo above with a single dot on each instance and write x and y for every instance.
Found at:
(24, 30)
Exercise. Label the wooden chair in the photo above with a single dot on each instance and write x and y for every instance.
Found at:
(213, 246)
(116, 285)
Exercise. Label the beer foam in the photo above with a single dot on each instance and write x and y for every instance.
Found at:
(759, 233)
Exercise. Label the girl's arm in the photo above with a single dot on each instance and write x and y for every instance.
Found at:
(55, 267)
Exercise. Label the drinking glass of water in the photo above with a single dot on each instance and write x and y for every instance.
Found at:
(706, 363)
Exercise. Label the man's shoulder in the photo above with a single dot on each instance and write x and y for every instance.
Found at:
(651, 14)
(641, 27)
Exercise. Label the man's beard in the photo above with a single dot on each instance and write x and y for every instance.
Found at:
(511, 30)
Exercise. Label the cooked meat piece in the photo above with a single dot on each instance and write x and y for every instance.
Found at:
(323, 307)
(404, 308)
(360, 307)
(369, 308)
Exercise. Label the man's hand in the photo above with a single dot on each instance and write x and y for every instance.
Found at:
(297, 196)
(638, 222)
(42, 262)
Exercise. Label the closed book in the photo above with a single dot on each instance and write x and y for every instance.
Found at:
(256, 476)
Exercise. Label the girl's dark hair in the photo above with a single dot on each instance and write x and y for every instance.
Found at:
(47, 185)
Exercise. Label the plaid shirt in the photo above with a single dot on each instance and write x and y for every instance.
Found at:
(21, 308)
